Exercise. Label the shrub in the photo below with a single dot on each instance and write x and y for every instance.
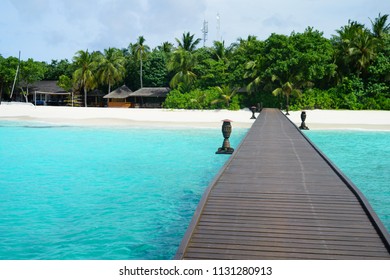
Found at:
(195, 99)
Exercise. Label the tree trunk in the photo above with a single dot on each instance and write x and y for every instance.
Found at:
(85, 96)
(26, 94)
(1, 92)
(140, 71)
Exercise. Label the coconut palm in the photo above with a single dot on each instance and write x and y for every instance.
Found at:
(253, 71)
(141, 49)
(182, 63)
(380, 26)
(226, 95)
(363, 50)
(287, 88)
(355, 48)
(219, 51)
(187, 42)
(165, 47)
(86, 65)
(111, 67)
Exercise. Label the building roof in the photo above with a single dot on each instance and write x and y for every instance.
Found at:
(96, 92)
(121, 92)
(151, 92)
(47, 87)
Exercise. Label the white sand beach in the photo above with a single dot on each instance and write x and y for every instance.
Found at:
(343, 119)
(316, 119)
(124, 116)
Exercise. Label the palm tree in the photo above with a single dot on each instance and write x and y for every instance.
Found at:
(253, 71)
(287, 89)
(165, 47)
(187, 43)
(355, 48)
(111, 67)
(226, 95)
(219, 50)
(363, 50)
(380, 27)
(86, 65)
(182, 62)
(141, 49)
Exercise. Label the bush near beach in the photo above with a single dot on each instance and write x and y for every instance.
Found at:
(350, 70)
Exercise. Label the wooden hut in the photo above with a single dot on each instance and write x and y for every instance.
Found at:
(149, 97)
(48, 93)
(95, 98)
(119, 97)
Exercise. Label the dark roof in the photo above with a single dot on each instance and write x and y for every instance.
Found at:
(151, 92)
(47, 87)
(121, 92)
(96, 92)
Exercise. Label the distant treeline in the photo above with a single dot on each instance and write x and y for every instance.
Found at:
(305, 70)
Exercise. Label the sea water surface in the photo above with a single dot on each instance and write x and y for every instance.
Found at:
(130, 193)
(101, 193)
(364, 157)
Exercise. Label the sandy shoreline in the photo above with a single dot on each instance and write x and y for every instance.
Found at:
(343, 119)
(79, 116)
(124, 117)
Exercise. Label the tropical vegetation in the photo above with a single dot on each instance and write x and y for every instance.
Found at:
(350, 70)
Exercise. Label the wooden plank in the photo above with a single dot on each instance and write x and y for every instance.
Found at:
(367, 245)
(278, 197)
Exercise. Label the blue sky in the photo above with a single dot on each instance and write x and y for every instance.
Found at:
(56, 29)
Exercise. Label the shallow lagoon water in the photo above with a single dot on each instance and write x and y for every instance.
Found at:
(130, 193)
(99, 193)
(364, 156)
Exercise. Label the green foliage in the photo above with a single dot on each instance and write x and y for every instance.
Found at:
(315, 99)
(7, 73)
(155, 70)
(84, 76)
(65, 82)
(187, 42)
(200, 99)
(306, 70)
(57, 68)
(182, 63)
(110, 67)
(30, 72)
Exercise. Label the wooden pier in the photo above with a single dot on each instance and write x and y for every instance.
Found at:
(279, 197)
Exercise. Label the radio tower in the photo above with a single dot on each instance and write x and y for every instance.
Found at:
(219, 28)
(205, 31)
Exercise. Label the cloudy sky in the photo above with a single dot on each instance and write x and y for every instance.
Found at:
(56, 29)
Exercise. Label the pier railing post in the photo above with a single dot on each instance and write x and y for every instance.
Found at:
(253, 109)
(226, 132)
(303, 118)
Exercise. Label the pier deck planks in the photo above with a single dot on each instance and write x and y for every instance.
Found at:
(278, 198)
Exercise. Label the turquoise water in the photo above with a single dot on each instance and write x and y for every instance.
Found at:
(99, 193)
(364, 156)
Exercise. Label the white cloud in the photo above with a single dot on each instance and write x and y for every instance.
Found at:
(55, 29)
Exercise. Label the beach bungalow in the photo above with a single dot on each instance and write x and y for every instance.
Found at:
(149, 97)
(95, 98)
(119, 97)
(47, 93)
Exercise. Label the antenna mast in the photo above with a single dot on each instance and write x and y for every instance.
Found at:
(219, 28)
(205, 31)
(16, 75)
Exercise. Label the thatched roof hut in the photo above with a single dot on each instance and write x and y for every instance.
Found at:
(47, 87)
(151, 92)
(122, 92)
(150, 97)
(119, 97)
(48, 93)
